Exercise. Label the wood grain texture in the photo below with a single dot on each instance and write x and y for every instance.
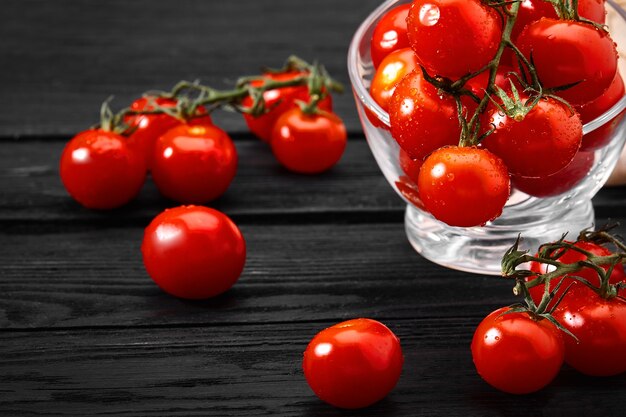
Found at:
(61, 59)
(255, 370)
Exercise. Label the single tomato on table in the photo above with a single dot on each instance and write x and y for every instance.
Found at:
(193, 252)
(194, 163)
(100, 170)
(353, 364)
(517, 353)
(277, 102)
(308, 143)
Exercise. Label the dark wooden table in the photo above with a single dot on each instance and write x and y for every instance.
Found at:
(84, 331)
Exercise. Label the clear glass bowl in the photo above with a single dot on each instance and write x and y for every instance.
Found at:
(479, 249)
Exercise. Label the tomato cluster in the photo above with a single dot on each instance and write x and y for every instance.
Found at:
(575, 313)
(485, 94)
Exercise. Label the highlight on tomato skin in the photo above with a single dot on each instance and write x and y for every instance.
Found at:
(353, 364)
(100, 171)
(193, 252)
(392, 69)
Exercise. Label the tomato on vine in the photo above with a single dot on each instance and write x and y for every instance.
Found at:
(308, 143)
(536, 144)
(571, 256)
(566, 52)
(453, 38)
(516, 352)
(148, 127)
(389, 34)
(277, 102)
(353, 364)
(464, 186)
(599, 325)
(422, 119)
(193, 252)
(194, 163)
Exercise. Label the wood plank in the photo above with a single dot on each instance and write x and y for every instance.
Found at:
(354, 191)
(61, 59)
(67, 276)
(255, 370)
(30, 187)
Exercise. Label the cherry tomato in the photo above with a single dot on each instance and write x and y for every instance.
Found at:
(599, 325)
(515, 353)
(148, 127)
(568, 257)
(567, 52)
(353, 364)
(601, 136)
(100, 171)
(478, 84)
(193, 252)
(389, 34)
(533, 10)
(308, 144)
(557, 183)
(421, 119)
(452, 38)
(544, 142)
(411, 167)
(278, 101)
(392, 69)
(194, 164)
(464, 186)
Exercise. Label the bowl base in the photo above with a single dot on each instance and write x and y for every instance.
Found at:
(480, 249)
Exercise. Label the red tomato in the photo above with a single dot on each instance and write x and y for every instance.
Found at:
(600, 326)
(515, 353)
(148, 127)
(100, 171)
(601, 136)
(194, 164)
(533, 10)
(278, 101)
(541, 144)
(353, 364)
(421, 119)
(452, 38)
(557, 183)
(566, 52)
(390, 72)
(568, 257)
(411, 167)
(193, 252)
(478, 84)
(389, 34)
(308, 144)
(464, 186)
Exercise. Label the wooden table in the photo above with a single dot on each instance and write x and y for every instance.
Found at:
(84, 331)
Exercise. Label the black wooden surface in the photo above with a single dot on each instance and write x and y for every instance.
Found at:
(84, 331)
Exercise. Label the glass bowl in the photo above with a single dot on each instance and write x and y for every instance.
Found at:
(538, 219)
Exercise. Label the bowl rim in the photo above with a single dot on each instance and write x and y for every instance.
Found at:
(363, 95)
